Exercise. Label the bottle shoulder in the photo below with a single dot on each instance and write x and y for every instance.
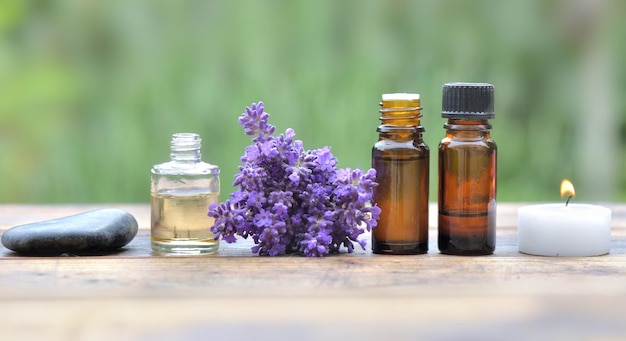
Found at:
(461, 143)
(185, 168)
(386, 144)
(407, 149)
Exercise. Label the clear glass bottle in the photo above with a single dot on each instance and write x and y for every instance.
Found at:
(182, 191)
(400, 158)
(467, 171)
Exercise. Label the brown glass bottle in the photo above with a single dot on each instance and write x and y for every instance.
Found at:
(467, 171)
(400, 158)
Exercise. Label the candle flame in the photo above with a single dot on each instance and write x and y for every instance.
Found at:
(567, 188)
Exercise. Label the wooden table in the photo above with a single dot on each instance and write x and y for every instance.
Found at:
(134, 295)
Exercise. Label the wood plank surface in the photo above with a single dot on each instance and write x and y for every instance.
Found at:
(135, 295)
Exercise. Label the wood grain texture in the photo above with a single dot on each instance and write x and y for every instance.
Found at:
(135, 295)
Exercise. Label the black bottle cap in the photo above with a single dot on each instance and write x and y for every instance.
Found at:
(467, 100)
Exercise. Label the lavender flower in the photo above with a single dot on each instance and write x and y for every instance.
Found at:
(293, 200)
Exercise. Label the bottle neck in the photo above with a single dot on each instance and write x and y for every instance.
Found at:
(467, 128)
(400, 116)
(185, 147)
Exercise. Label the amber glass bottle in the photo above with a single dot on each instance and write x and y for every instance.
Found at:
(400, 158)
(467, 171)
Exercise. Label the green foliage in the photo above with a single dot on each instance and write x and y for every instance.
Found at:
(91, 91)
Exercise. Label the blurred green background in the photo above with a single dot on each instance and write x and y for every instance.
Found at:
(90, 91)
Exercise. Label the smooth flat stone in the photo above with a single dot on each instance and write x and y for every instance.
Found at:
(92, 232)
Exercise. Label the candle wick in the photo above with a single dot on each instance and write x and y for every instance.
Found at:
(567, 202)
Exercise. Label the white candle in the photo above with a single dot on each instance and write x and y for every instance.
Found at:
(560, 230)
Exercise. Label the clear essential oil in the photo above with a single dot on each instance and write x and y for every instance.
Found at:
(400, 158)
(467, 171)
(188, 210)
(181, 192)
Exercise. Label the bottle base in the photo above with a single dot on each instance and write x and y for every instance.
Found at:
(463, 234)
(399, 248)
(448, 249)
(184, 247)
(466, 252)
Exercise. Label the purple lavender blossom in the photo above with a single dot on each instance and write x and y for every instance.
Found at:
(294, 200)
